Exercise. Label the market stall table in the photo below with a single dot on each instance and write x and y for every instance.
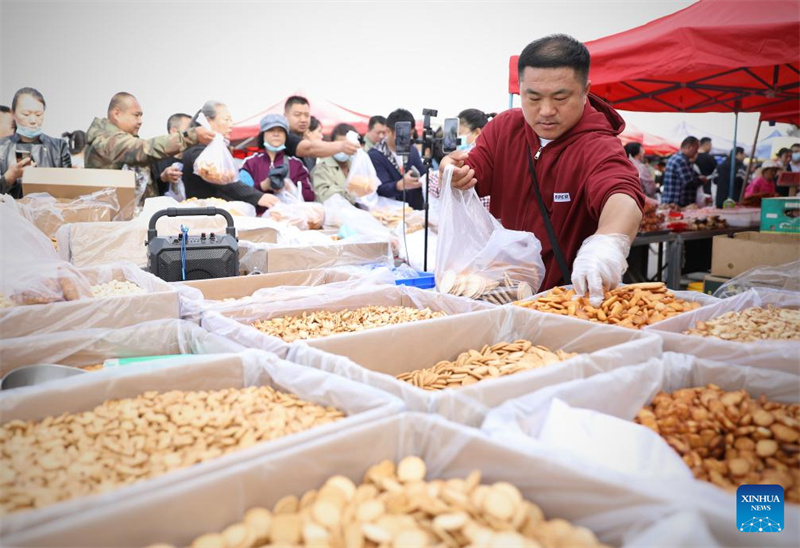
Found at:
(659, 237)
(675, 250)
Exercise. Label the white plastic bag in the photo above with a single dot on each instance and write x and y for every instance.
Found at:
(784, 277)
(475, 254)
(362, 180)
(215, 164)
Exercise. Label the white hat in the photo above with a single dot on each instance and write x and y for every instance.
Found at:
(770, 164)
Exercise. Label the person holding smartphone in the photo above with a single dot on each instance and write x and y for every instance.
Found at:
(29, 146)
(395, 173)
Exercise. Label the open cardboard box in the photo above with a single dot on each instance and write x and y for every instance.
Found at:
(360, 403)
(160, 301)
(235, 323)
(93, 346)
(90, 244)
(589, 424)
(745, 250)
(288, 258)
(375, 357)
(244, 286)
(783, 355)
(182, 511)
(72, 183)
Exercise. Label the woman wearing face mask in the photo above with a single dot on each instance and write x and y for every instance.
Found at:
(330, 174)
(220, 119)
(28, 146)
(268, 170)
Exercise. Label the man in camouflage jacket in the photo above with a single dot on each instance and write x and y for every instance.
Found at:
(114, 143)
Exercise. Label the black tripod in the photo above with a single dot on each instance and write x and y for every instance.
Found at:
(428, 140)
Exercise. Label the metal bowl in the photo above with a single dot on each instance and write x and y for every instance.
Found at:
(31, 375)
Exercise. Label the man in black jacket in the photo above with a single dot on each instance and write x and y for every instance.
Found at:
(28, 146)
(724, 178)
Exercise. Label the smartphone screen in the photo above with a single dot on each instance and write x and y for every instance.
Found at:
(402, 138)
(22, 154)
(450, 135)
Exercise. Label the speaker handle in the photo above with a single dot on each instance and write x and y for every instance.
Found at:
(189, 212)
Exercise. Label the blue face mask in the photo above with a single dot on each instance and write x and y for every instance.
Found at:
(29, 133)
(274, 149)
(796, 157)
(341, 157)
(463, 145)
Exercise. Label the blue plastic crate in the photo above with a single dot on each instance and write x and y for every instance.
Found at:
(424, 280)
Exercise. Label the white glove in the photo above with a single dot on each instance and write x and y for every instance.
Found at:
(600, 264)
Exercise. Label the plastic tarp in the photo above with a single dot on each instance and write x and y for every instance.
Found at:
(50, 214)
(234, 323)
(589, 423)
(95, 345)
(375, 357)
(158, 301)
(360, 403)
(770, 354)
(183, 511)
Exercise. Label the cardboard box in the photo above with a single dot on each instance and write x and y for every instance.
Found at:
(71, 183)
(360, 404)
(712, 283)
(179, 513)
(733, 255)
(245, 286)
(377, 356)
(288, 258)
(780, 215)
(159, 302)
(90, 244)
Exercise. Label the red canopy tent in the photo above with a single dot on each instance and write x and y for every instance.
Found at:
(329, 114)
(653, 144)
(713, 56)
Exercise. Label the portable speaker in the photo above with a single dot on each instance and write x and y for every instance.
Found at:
(198, 257)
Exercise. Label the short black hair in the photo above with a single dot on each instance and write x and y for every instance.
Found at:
(399, 115)
(175, 120)
(795, 145)
(689, 141)
(294, 100)
(705, 140)
(314, 123)
(33, 92)
(7, 110)
(556, 51)
(739, 150)
(633, 149)
(341, 129)
(781, 152)
(376, 120)
(474, 118)
(117, 100)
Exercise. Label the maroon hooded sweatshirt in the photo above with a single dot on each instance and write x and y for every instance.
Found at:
(577, 173)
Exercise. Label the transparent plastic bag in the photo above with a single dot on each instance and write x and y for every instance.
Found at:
(31, 272)
(215, 164)
(350, 220)
(49, 214)
(362, 181)
(302, 215)
(785, 277)
(475, 255)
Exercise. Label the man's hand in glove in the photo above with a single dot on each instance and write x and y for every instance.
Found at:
(599, 265)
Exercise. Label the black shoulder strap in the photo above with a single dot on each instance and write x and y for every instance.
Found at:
(551, 234)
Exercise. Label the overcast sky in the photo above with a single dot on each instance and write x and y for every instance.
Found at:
(368, 56)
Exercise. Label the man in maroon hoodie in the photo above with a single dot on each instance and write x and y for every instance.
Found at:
(589, 188)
